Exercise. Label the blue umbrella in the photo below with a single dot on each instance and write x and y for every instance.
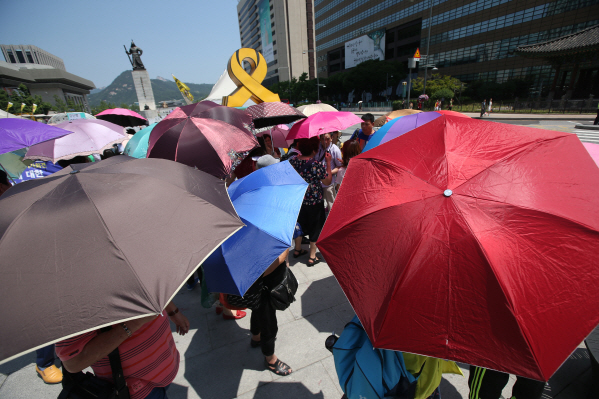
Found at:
(137, 147)
(268, 202)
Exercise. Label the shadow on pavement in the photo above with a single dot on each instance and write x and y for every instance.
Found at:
(295, 390)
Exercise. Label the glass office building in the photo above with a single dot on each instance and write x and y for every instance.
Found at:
(471, 40)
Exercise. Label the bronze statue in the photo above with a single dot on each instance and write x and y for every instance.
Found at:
(135, 59)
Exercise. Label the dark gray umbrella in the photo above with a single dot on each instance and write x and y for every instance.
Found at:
(101, 243)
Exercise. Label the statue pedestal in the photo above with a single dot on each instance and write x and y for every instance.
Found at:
(143, 87)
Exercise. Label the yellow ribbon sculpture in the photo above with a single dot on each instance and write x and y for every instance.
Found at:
(248, 85)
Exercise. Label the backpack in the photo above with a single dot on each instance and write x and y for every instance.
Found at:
(368, 373)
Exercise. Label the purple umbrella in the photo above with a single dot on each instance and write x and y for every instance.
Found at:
(20, 133)
(90, 136)
(404, 124)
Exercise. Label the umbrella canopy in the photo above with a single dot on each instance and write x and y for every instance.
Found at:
(122, 117)
(321, 123)
(268, 202)
(87, 137)
(271, 114)
(137, 147)
(279, 136)
(208, 109)
(487, 238)
(20, 133)
(402, 125)
(312, 109)
(207, 144)
(68, 116)
(593, 150)
(120, 238)
(380, 121)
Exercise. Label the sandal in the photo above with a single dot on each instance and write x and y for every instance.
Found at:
(301, 252)
(279, 368)
(313, 261)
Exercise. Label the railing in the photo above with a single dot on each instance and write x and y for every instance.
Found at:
(536, 107)
(373, 106)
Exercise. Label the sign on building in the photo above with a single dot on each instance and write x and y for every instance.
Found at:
(266, 30)
(364, 48)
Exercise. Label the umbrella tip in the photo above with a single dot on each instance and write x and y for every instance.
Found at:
(446, 193)
(73, 172)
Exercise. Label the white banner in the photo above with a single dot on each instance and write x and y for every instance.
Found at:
(364, 48)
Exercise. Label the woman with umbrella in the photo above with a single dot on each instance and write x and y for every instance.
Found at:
(311, 217)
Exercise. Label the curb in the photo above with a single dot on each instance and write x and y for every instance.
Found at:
(586, 127)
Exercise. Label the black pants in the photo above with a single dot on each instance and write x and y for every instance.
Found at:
(597, 118)
(263, 320)
(311, 218)
(488, 384)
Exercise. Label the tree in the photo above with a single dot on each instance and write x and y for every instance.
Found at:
(443, 93)
(20, 96)
(436, 83)
(371, 76)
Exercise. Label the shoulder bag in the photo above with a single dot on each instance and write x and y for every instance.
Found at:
(283, 295)
(87, 386)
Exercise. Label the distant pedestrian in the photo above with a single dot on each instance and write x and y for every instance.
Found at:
(483, 108)
(411, 105)
(597, 118)
(490, 105)
(451, 104)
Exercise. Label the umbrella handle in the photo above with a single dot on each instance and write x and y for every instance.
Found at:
(8, 174)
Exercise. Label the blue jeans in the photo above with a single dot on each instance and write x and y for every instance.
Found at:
(45, 357)
(158, 393)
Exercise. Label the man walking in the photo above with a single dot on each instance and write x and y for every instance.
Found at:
(483, 108)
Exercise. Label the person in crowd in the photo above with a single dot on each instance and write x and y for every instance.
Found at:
(335, 138)
(411, 105)
(490, 109)
(327, 146)
(4, 183)
(351, 148)
(366, 130)
(483, 108)
(488, 384)
(269, 147)
(292, 152)
(451, 104)
(147, 350)
(597, 117)
(45, 367)
(312, 216)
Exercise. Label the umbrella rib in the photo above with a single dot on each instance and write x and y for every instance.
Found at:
(499, 281)
(148, 296)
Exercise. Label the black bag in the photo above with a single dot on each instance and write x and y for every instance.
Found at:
(87, 386)
(283, 294)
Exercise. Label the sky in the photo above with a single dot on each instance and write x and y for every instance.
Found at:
(192, 39)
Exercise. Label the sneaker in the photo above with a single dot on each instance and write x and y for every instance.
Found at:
(50, 375)
(192, 286)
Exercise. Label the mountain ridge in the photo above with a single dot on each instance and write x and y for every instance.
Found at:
(122, 90)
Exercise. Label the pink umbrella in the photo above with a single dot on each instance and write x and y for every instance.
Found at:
(90, 136)
(122, 117)
(321, 123)
(593, 149)
(279, 136)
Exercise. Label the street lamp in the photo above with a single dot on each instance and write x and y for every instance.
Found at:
(428, 42)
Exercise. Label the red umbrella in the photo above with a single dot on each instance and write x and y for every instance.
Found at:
(122, 117)
(321, 123)
(471, 241)
(208, 144)
(271, 114)
(208, 109)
